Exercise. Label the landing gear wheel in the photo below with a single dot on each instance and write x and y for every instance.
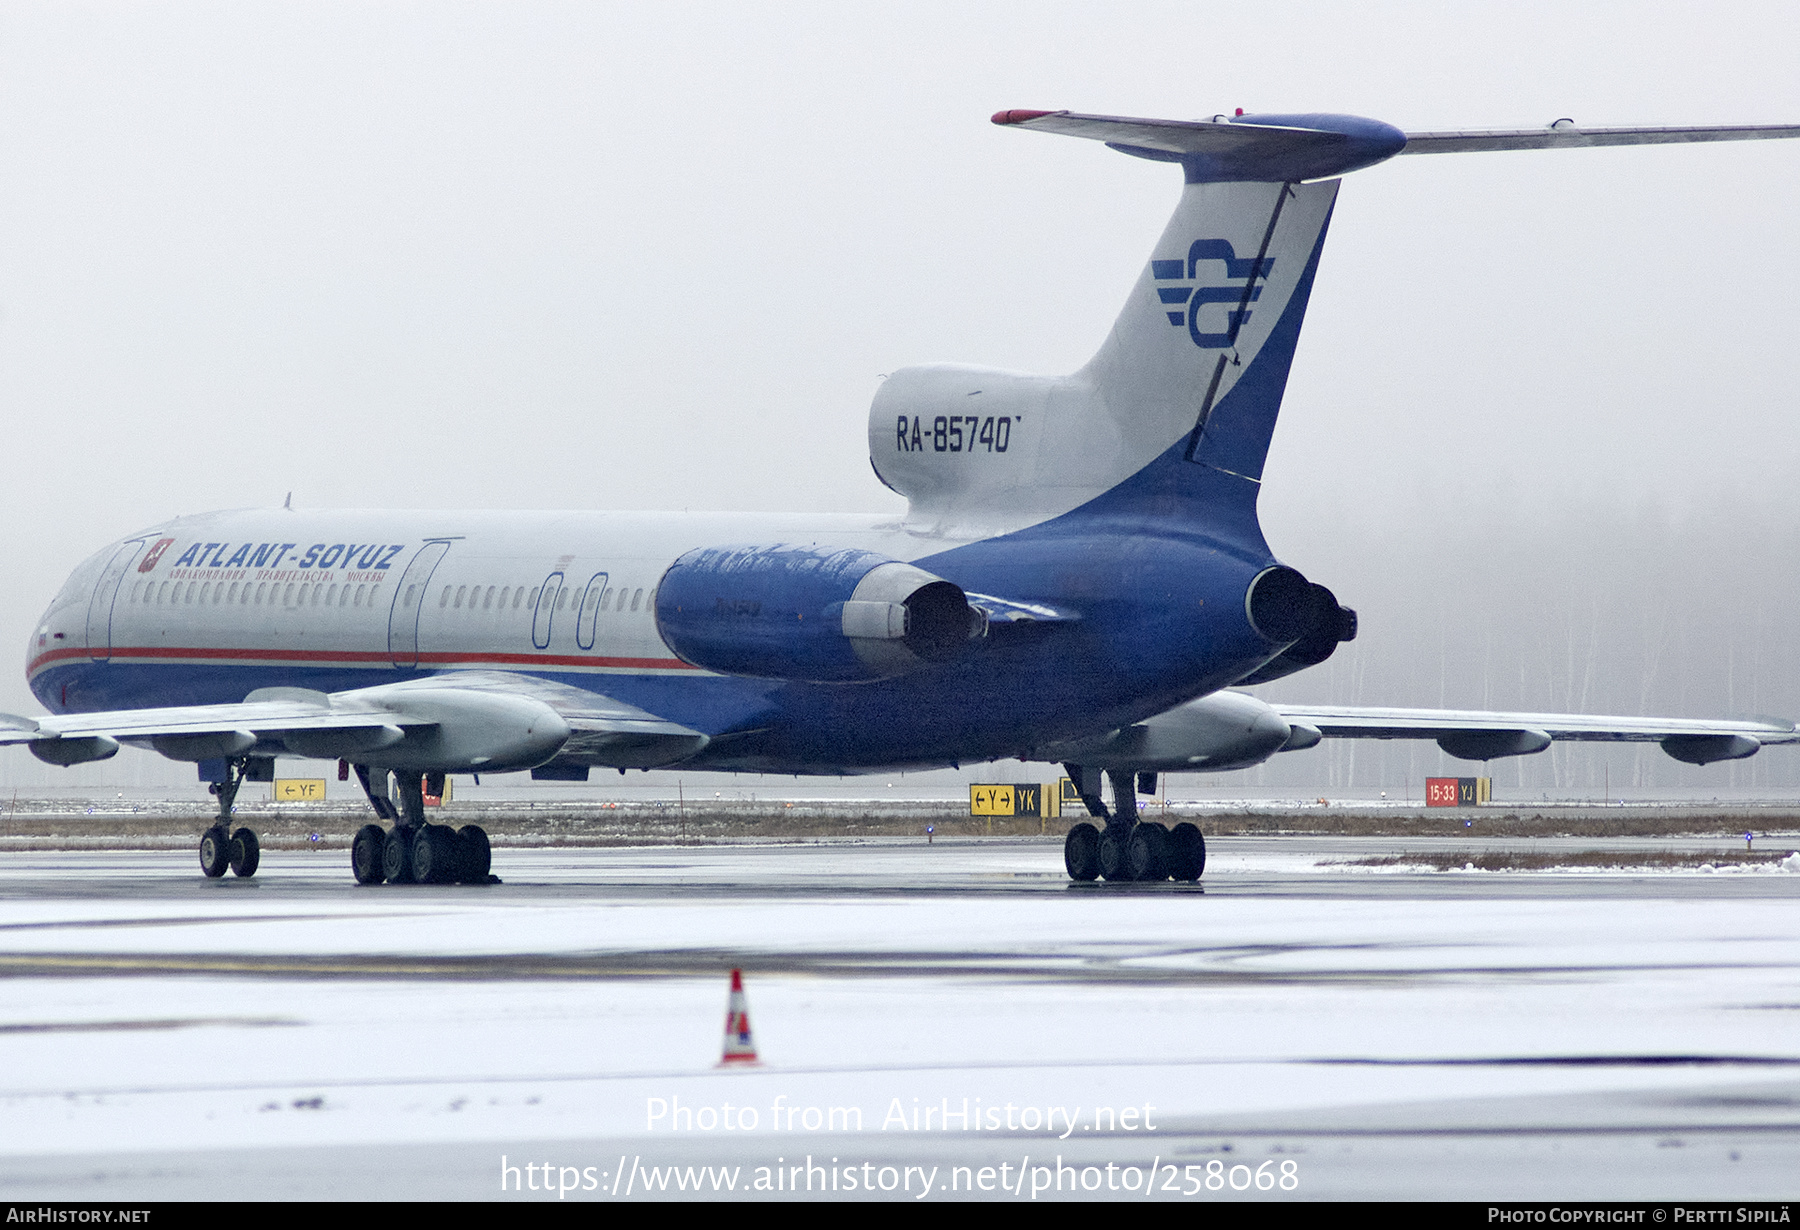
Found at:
(215, 851)
(1081, 853)
(1186, 853)
(477, 854)
(1146, 853)
(1112, 856)
(397, 856)
(366, 854)
(434, 855)
(245, 852)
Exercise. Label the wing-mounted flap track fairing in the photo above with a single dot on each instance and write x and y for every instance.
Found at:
(79, 750)
(1705, 749)
(1493, 744)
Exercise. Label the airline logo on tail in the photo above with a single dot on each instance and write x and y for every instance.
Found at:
(1193, 299)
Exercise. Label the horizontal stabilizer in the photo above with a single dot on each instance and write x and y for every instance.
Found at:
(1214, 136)
(1564, 134)
(1244, 148)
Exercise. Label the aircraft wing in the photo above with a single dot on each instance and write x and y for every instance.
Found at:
(272, 716)
(469, 720)
(1476, 735)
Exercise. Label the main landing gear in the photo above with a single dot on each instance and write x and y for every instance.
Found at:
(1128, 849)
(220, 848)
(414, 852)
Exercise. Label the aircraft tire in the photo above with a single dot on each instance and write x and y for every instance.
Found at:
(1081, 853)
(434, 855)
(397, 856)
(245, 853)
(477, 854)
(1187, 852)
(366, 854)
(1146, 853)
(1111, 850)
(215, 851)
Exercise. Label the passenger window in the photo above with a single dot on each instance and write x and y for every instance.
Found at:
(562, 598)
(410, 590)
(344, 598)
(462, 591)
(636, 598)
(533, 601)
(488, 602)
(444, 598)
(205, 590)
(287, 595)
(137, 590)
(262, 590)
(234, 586)
(360, 589)
(503, 593)
(331, 595)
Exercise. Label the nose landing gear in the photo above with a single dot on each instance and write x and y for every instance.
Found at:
(220, 848)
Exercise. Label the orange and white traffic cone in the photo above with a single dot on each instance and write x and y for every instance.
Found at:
(739, 1049)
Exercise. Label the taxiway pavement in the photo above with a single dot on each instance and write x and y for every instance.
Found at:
(1463, 1035)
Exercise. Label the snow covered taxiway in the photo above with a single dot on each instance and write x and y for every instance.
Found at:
(938, 1021)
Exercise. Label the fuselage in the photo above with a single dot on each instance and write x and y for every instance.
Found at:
(205, 609)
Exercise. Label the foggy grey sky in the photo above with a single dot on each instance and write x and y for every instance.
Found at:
(599, 256)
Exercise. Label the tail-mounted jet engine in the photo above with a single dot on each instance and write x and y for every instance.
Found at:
(1287, 609)
(810, 612)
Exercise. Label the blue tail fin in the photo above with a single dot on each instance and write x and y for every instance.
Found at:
(1173, 415)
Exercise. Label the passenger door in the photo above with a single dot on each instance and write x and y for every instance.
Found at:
(100, 606)
(409, 600)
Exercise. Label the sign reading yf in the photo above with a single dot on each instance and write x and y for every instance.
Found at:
(1203, 308)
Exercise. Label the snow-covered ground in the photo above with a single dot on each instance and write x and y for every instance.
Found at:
(152, 1015)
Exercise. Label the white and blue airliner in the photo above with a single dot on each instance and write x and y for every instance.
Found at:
(1080, 577)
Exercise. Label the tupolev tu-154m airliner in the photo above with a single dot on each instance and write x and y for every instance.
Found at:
(1079, 577)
